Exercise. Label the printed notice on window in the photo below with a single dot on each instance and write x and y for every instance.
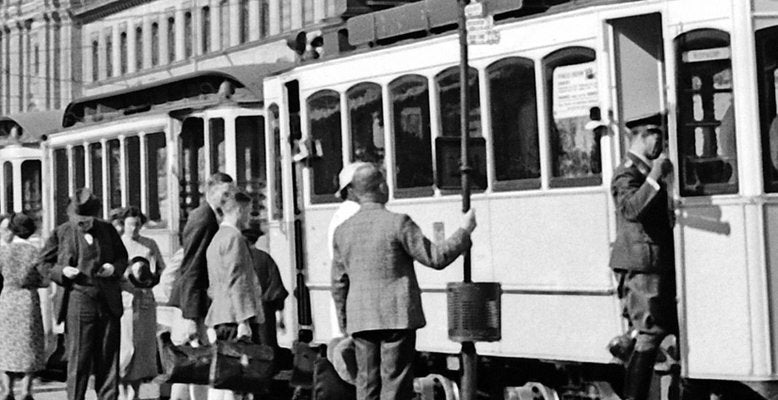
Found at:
(574, 90)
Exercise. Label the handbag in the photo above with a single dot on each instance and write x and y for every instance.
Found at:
(183, 364)
(241, 366)
(57, 364)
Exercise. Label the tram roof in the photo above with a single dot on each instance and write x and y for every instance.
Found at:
(199, 88)
(34, 125)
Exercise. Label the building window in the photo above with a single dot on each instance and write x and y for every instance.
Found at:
(95, 61)
(123, 53)
(171, 39)
(31, 190)
(366, 122)
(224, 17)
(96, 162)
(188, 34)
(575, 150)
(409, 98)
(244, 21)
(139, 48)
(8, 177)
(308, 11)
(61, 187)
(154, 44)
(108, 55)
(114, 174)
(191, 167)
(448, 94)
(37, 60)
(79, 172)
(264, 25)
(514, 117)
(205, 46)
(324, 129)
(278, 190)
(156, 178)
(251, 173)
(286, 15)
(216, 134)
(706, 119)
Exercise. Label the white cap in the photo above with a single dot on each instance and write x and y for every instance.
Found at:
(346, 175)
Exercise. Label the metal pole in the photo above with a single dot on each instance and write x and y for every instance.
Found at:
(469, 356)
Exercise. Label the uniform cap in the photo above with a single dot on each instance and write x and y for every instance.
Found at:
(650, 122)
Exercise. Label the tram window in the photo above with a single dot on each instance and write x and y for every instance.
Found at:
(251, 171)
(156, 178)
(61, 190)
(325, 130)
(8, 176)
(216, 132)
(448, 94)
(571, 91)
(409, 96)
(514, 120)
(191, 167)
(114, 174)
(278, 190)
(132, 144)
(78, 167)
(706, 124)
(366, 120)
(31, 189)
(96, 160)
(767, 69)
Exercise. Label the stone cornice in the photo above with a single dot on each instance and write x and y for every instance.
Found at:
(97, 9)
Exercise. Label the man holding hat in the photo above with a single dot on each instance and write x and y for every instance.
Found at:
(86, 257)
(642, 256)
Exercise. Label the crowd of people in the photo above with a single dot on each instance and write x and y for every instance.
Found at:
(226, 288)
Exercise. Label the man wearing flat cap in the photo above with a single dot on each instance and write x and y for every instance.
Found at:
(87, 258)
(642, 256)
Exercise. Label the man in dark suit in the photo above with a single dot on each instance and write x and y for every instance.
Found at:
(642, 257)
(87, 258)
(189, 292)
(376, 293)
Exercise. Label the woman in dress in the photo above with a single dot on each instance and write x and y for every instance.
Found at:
(143, 319)
(21, 327)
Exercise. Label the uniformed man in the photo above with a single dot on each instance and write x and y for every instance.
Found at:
(642, 256)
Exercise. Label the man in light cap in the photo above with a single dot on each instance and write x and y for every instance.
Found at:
(642, 256)
(374, 285)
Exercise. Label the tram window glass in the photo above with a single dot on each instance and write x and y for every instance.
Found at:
(96, 161)
(8, 176)
(706, 124)
(448, 94)
(514, 120)
(325, 131)
(79, 180)
(571, 91)
(114, 174)
(278, 190)
(366, 120)
(251, 171)
(767, 69)
(409, 97)
(156, 178)
(216, 132)
(31, 189)
(132, 144)
(61, 190)
(191, 167)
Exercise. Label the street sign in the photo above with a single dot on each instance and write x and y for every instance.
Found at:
(480, 27)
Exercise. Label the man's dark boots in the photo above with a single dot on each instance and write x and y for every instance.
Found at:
(640, 371)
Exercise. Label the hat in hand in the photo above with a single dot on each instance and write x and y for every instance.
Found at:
(342, 354)
(141, 277)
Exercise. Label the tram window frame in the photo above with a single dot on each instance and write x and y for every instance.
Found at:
(568, 56)
(767, 75)
(502, 141)
(356, 106)
(157, 193)
(61, 192)
(32, 190)
(331, 161)
(114, 152)
(8, 181)
(95, 153)
(251, 177)
(707, 43)
(423, 130)
(277, 191)
(79, 166)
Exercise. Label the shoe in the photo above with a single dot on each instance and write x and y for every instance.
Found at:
(621, 347)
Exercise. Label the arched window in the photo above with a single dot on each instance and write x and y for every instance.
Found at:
(154, 44)
(409, 98)
(366, 122)
(31, 190)
(138, 48)
(224, 15)
(324, 130)
(448, 95)
(206, 42)
(244, 21)
(571, 91)
(767, 70)
(706, 120)
(188, 34)
(264, 25)
(514, 121)
(171, 39)
(109, 55)
(95, 61)
(123, 53)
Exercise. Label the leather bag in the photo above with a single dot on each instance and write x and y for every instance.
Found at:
(241, 366)
(183, 364)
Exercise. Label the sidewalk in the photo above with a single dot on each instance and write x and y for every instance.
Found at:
(58, 391)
